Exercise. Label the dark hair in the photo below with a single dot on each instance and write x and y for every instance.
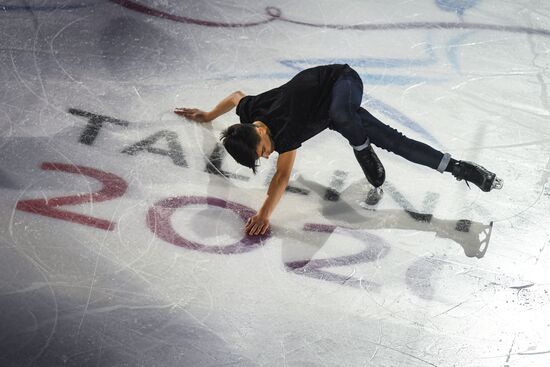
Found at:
(240, 141)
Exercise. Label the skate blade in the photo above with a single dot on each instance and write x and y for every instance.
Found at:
(497, 183)
(373, 198)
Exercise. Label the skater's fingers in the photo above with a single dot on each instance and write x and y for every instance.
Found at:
(256, 225)
(182, 112)
(257, 231)
(250, 226)
(185, 110)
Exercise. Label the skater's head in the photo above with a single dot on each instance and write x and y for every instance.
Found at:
(246, 143)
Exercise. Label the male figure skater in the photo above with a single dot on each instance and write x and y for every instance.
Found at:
(328, 96)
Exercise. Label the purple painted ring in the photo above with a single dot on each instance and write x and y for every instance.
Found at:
(158, 221)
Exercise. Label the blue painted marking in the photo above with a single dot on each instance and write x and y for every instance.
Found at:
(371, 79)
(384, 79)
(372, 62)
(456, 6)
(7, 8)
(377, 105)
(453, 48)
(367, 62)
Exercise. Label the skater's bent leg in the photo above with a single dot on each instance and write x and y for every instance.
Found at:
(344, 109)
(345, 102)
(390, 139)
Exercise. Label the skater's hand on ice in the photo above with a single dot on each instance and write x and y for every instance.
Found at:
(257, 225)
(193, 114)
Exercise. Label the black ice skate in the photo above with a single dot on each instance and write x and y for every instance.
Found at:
(371, 165)
(474, 173)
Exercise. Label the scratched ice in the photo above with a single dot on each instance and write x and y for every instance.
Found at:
(121, 238)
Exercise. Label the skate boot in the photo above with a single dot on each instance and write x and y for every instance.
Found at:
(371, 165)
(474, 173)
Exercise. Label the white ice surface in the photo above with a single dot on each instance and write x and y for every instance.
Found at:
(383, 287)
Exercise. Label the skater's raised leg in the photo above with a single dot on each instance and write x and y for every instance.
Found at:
(361, 129)
(390, 139)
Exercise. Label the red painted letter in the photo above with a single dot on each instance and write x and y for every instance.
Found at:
(113, 187)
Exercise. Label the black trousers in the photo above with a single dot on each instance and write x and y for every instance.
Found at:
(356, 124)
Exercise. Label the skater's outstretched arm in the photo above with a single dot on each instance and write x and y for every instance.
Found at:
(259, 223)
(225, 105)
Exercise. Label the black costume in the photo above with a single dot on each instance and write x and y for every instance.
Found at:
(295, 111)
(330, 96)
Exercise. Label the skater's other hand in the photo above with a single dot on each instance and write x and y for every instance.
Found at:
(192, 114)
(257, 225)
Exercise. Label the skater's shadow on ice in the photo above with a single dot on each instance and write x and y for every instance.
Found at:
(5, 181)
(472, 236)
